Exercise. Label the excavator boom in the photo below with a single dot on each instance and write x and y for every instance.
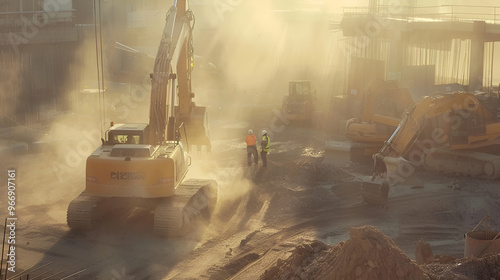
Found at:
(171, 96)
(442, 133)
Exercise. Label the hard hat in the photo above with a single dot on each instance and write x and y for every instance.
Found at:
(250, 131)
(264, 132)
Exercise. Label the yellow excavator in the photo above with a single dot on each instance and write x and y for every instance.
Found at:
(379, 109)
(382, 106)
(456, 133)
(144, 164)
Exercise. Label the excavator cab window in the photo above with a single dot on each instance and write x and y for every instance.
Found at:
(299, 88)
(128, 134)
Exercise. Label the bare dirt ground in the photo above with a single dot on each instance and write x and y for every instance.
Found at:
(263, 217)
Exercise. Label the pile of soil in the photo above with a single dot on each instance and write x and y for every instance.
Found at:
(370, 254)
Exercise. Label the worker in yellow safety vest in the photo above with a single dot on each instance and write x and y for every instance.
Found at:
(251, 141)
(265, 146)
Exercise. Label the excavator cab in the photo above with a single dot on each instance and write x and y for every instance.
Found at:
(298, 89)
(128, 134)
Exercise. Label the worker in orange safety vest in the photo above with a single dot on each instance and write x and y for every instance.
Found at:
(251, 141)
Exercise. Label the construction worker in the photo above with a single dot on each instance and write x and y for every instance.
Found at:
(265, 147)
(251, 148)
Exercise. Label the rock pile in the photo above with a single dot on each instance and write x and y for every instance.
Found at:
(487, 268)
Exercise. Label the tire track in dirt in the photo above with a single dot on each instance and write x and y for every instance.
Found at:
(244, 248)
(272, 243)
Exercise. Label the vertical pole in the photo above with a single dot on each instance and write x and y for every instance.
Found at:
(3, 246)
(490, 85)
(476, 62)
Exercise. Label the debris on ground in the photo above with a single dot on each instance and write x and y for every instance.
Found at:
(423, 254)
(370, 254)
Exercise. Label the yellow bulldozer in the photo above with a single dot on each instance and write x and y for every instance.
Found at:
(298, 105)
(456, 133)
(144, 164)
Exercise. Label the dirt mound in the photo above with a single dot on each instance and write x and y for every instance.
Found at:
(368, 254)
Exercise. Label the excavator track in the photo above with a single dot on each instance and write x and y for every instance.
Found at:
(192, 198)
(468, 163)
(81, 213)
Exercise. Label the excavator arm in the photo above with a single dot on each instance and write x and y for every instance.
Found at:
(405, 134)
(417, 115)
(171, 96)
(396, 161)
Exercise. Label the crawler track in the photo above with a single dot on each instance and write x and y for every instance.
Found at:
(192, 198)
(474, 164)
(81, 213)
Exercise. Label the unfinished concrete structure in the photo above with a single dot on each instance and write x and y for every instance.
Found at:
(420, 46)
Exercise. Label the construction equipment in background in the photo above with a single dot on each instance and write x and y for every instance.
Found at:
(298, 105)
(377, 111)
(382, 105)
(144, 165)
(455, 133)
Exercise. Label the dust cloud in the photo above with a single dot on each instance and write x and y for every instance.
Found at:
(52, 170)
(230, 178)
(10, 74)
(257, 48)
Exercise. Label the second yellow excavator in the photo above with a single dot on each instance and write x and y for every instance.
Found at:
(454, 133)
(144, 164)
(381, 107)
(377, 112)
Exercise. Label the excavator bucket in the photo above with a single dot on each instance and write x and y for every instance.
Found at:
(195, 129)
(375, 193)
(394, 171)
